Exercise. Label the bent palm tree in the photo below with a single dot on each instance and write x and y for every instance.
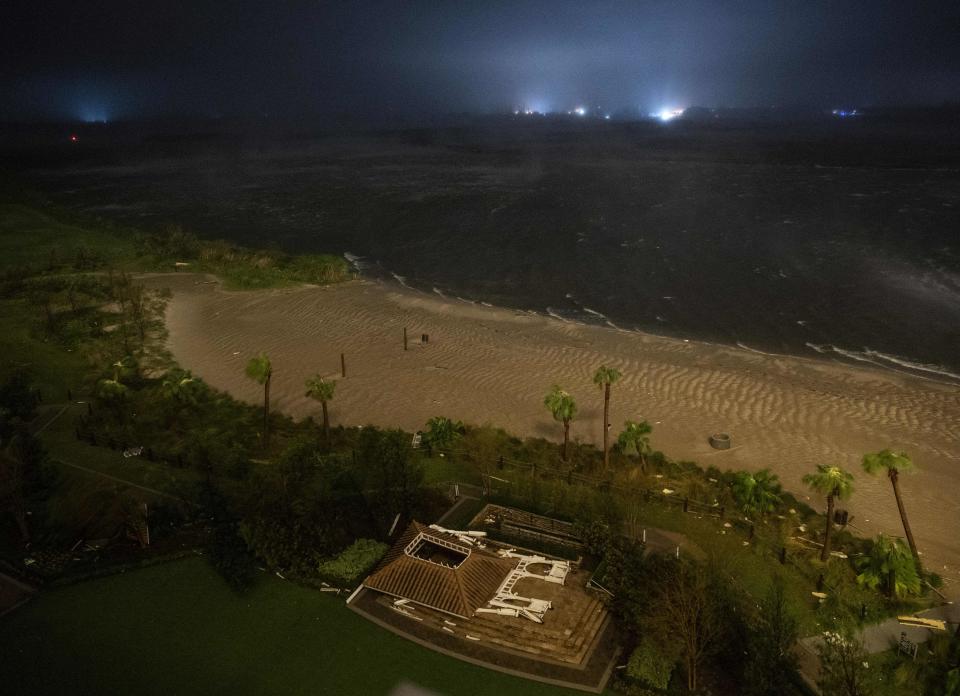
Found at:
(888, 566)
(834, 483)
(636, 435)
(321, 390)
(563, 408)
(757, 494)
(894, 463)
(260, 370)
(603, 378)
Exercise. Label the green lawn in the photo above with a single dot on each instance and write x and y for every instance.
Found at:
(176, 628)
(62, 445)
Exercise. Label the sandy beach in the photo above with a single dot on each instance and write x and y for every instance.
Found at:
(490, 365)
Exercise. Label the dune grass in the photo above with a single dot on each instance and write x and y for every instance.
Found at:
(176, 628)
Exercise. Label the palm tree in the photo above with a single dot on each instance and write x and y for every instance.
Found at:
(260, 370)
(894, 463)
(321, 390)
(888, 566)
(636, 435)
(834, 483)
(180, 386)
(603, 378)
(563, 408)
(757, 494)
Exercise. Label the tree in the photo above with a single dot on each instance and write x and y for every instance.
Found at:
(844, 665)
(564, 409)
(21, 476)
(894, 463)
(684, 611)
(604, 377)
(637, 436)
(181, 387)
(260, 370)
(757, 494)
(228, 554)
(443, 432)
(112, 392)
(775, 631)
(834, 483)
(321, 390)
(18, 399)
(13, 489)
(936, 669)
(888, 566)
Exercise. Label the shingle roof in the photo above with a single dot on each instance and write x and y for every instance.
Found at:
(456, 590)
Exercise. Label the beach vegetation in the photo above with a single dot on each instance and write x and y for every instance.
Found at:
(604, 378)
(563, 408)
(835, 484)
(893, 464)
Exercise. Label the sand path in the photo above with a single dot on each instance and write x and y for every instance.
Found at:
(492, 365)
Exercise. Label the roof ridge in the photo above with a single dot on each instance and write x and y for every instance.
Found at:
(461, 590)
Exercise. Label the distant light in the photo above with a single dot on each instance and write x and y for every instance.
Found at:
(607, 116)
(73, 138)
(580, 111)
(667, 114)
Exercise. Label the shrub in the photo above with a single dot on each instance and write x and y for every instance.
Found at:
(353, 563)
(230, 558)
(650, 664)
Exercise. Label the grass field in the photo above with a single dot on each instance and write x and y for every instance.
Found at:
(176, 628)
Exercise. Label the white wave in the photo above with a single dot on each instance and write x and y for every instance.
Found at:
(594, 313)
(922, 367)
(400, 279)
(358, 262)
(439, 292)
(463, 299)
(752, 350)
(553, 314)
(486, 304)
(886, 362)
(802, 322)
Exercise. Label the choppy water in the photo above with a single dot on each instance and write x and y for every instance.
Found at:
(856, 263)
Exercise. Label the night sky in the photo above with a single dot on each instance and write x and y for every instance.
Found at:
(115, 60)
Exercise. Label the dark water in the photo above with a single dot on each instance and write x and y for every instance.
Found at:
(723, 239)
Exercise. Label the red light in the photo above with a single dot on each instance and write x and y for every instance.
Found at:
(73, 138)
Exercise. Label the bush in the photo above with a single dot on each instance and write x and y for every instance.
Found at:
(650, 665)
(353, 563)
(230, 558)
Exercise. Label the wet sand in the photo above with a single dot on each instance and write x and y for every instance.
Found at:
(492, 365)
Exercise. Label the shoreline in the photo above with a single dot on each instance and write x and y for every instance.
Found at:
(828, 352)
(493, 365)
